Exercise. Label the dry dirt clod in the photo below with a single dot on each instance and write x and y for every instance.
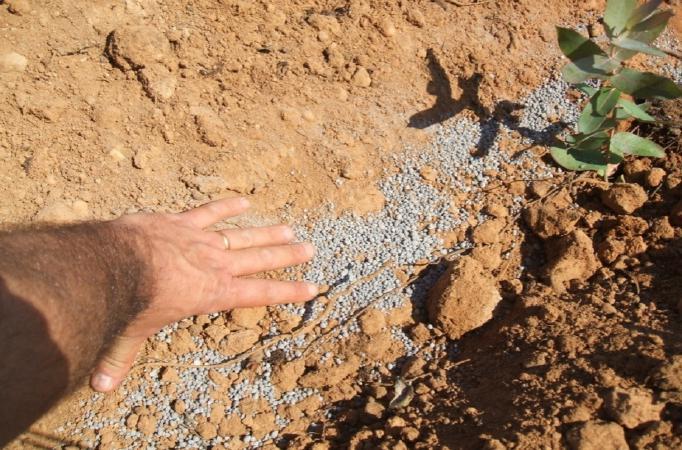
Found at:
(596, 435)
(548, 220)
(387, 28)
(247, 317)
(624, 198)
(572, 257)
(668, 376)
(361, 78)
(136, 47)
(676, 214)
(655, 177)
(463, 299)
(19, 7)
(488, 232)
(286, 376)
(207, 430)
(490, 256)
(416, 18)
(632, 407)
(372, 322)
(12, 62)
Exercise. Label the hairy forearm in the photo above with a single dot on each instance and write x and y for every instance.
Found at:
(64, 293)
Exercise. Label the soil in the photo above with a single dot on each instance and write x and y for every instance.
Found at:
(120, 106)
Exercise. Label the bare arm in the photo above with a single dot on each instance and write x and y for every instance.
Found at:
(79, 298)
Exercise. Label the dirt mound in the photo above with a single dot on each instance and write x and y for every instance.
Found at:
(463, 299)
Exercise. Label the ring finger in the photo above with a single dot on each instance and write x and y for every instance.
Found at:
(238, 239)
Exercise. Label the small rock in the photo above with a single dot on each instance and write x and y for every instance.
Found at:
(374, 409)
(179, 406)
(372, 322)
(572, 257)
(596, 435)
(12, 62)
(18, 7)
(158, 82)
(410, 434)
(624, 198)
(146, 425)
(655, 177)
(387, 28)
(428, 173)
(361, 78)
(416, 18)
(170, 375)
(231, 426)
(540, 188)
(207, 430)
(632, 407)
(463, 299)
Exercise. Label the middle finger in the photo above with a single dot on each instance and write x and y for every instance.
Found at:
(260, 259)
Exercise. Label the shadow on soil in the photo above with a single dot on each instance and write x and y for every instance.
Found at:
(490, 122)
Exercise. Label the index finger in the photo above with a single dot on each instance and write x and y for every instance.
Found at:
(213, 212)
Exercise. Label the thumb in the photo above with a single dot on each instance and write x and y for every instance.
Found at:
(113, 367)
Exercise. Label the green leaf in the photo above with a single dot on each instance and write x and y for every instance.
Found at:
(634, 110)
(589, 121)
(595, 66)
(617, 14)
(624, 143)
(604, 101)
(637, 46)
(645, 85)
(643, 12)
(649, 30)
(586, 89)
(593, 141)
(576, 46)
(580, 160)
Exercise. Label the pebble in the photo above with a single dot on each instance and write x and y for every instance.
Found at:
(361, 78)
(12, 62)
(19, 7)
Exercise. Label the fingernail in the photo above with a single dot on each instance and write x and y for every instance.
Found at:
(245, 202)
(102, 382)
(313, 289)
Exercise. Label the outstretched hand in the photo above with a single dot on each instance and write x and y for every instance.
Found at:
(194, 271)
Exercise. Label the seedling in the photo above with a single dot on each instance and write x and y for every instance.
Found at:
(631, 29)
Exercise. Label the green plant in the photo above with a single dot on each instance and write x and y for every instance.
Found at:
(631, 28)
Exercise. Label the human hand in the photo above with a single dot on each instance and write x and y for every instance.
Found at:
(193, 272)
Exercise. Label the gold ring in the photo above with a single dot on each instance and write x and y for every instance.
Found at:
(226, 241)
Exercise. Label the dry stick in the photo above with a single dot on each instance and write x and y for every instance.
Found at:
(270, 342)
